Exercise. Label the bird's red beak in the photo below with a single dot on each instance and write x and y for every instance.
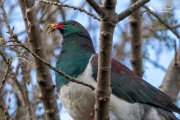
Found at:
(52, 27)
(59, 25)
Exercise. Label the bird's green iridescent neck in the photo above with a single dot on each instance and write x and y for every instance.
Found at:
(75, 54)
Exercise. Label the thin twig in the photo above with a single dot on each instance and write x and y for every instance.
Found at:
(135, 23)
(69, 6)
(5, 17)
(9, 61)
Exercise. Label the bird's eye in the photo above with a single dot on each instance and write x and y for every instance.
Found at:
(73, 24)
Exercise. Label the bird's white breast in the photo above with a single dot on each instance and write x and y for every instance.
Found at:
(79, 102)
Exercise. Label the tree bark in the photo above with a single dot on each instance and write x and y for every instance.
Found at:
(42, 71)
(103, 90)
(135, 21)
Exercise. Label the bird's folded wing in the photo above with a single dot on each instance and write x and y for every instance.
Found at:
(128, 86)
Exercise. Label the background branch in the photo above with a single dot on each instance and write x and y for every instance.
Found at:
(43, 74)
(131, 9)
(135, 21)
(69, 6)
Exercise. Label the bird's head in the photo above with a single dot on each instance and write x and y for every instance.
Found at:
(67, 28)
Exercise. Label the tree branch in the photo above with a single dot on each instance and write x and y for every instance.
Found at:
(43, 74)
(103, 90)
(95, 6)
(135, 21)
(131, 9)
(8, 62)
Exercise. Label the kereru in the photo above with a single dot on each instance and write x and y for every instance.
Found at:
(132, 98)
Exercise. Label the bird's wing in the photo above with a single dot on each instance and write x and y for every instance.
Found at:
(128, 86)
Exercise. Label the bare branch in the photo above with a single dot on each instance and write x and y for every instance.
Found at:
(103, 91)
(43, 74)
(9, 61)
(95, 6)
(69, 6)
(171, 84)
(131, 9)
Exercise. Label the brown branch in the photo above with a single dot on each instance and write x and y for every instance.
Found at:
(5, 17)
(69, 6)
(164, 23)
(9, 61)
(103, 90)
(42, 71)
(131, 9)
(135, 21)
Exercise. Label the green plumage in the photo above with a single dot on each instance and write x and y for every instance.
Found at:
(75, 54)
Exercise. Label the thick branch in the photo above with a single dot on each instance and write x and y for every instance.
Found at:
(103, 90)
(42, 71)
(135, 21)
(171, 82)
(131, 9)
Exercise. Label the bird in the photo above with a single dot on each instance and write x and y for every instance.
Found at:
(132, 98)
